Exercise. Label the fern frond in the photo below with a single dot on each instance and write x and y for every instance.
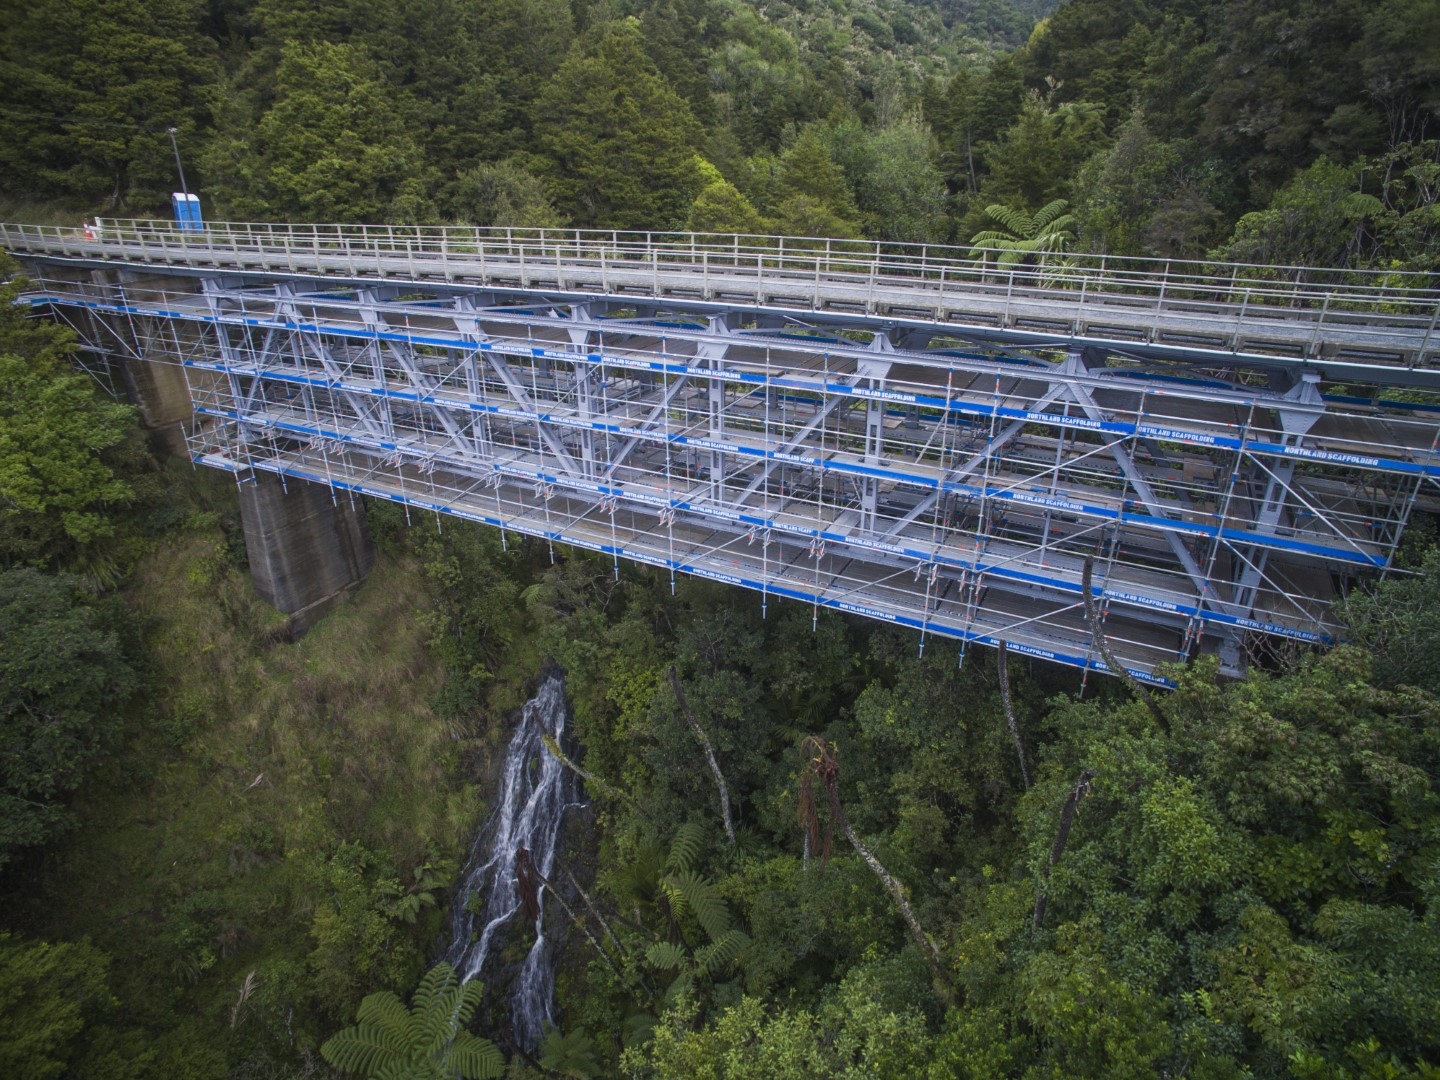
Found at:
(685, 848)
(1360, 205)
(1061, 226)
(384, 1009)
(1049, 213)
(437, 980)
(682, 982)
(720, 954)
(470, 994)
(635, 881)
(665, 955)
(1051, 243)
(1017, 221)
(474, 1058)
(439, 1024)
(365, 1049)
(636, 1029)
(705, 903)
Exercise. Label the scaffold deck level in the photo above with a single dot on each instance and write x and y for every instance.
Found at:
(904, 468)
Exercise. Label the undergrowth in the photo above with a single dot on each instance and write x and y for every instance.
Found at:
(275, 841)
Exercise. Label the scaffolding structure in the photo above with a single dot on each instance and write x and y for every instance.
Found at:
(892, 469)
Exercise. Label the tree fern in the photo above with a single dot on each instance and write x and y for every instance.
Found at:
(437, 980)
(364, 1049)
(1050, 212)
(1016, 221)
(703, 901)
(568, 1055)
(1050, 230)
(384, 1010)
(665, 955)
(685, 848)
(475, 1058)
(715, 958)
(425, 1042)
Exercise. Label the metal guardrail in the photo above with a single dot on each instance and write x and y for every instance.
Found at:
(1379, 309)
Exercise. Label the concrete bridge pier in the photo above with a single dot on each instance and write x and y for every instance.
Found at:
(307, 550)
(151, 353)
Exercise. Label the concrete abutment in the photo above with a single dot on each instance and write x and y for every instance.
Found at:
(307, 550)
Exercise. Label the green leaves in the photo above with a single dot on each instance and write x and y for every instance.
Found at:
(64, 677)
(1050, 230)
(47, 994)
(665, 955)
(428, 1041)
(334, 145)
(56, 487)
(689, 892)
(618, 141)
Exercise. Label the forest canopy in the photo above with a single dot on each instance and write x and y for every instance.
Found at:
(1286, 132)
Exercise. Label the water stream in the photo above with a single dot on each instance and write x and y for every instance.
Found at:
(535, 792)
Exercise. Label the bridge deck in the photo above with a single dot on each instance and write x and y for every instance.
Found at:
(1344, 325)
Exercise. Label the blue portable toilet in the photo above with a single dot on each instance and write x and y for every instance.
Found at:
(187, 211)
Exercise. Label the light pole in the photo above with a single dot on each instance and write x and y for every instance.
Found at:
(178, 167)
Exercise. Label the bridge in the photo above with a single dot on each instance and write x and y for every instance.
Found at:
(896, 431)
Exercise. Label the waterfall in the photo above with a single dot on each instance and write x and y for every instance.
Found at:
(535, 792)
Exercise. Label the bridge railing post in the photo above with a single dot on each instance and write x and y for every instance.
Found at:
(1429, 333)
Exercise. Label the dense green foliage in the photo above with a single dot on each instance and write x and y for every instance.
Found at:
(427, 1041)
(223, 847)
(1288, 132)
(65, 680)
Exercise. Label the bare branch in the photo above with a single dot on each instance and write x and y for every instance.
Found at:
(529, 874)
(821, 762)
(592, 781)
(590, 906)
(1097, 635)
(896, 890)
(1062, 835)
(709, 755)
(1002, 663)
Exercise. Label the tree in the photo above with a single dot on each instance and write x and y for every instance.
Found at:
(721, 208)
(1319, 218)
(427, 1041)
(47, 993)
(814, 196)
(55, 485)
(334, 146)
(1136, 198)
(1021, 236)
(92, 87)
(819, 761)
(1399, 620)
(503, 194)
(898, 189)
(1036, 159)
(860, 1030)
(618, 142)
(64, 679)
